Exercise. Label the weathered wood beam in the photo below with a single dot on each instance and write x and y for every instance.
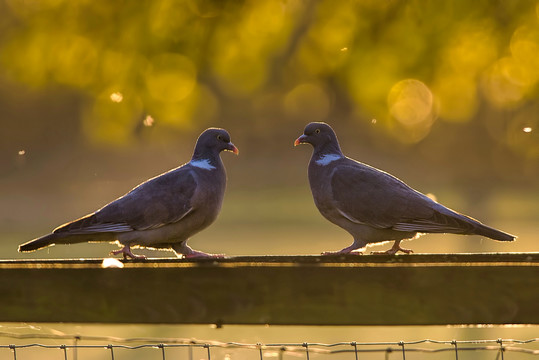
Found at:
(301, 290)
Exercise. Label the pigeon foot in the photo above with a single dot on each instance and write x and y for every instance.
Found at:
(202, 255)
(353, 249)
(187, 252)
(126, 252)
(341, 252)
(394, 249)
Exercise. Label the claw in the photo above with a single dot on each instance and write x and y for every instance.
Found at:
(354, 249)
(126, 252)
(202, 255)
(394, 249)
(341, 252)
(187, 252)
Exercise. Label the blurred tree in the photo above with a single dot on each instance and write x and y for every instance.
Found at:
(402, 72)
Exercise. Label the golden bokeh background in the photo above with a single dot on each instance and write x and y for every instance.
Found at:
(98, 96)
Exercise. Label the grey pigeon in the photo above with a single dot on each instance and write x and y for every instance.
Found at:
(161, 213)
(372, 205)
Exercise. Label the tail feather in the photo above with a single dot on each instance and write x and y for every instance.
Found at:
(64, 238)
(470, 226)
(492, 233)
(445, 220)
(39, 243)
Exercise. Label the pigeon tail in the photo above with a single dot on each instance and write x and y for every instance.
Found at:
(478, 228)
(65, 238)
(39, 243)
(492, 233)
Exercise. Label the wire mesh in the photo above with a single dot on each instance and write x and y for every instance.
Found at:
(179, 348)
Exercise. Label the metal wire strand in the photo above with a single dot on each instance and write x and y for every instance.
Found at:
(190, 350)
(282, 350)
(306, 346)
(14, 349)
(75, 347)
(64, 348)
(260, 351)
(500, 353)
(162, 347)
(454, 342)
(354, 344)
(111, 347)
(499, 346)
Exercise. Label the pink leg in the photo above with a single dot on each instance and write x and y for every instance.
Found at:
(126, 252)
(347, 250)
(189, 253)
(200, 254)
(394, 249)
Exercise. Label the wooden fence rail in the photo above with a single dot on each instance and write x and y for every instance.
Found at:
(295, 290)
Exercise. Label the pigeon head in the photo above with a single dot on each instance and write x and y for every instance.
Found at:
(321, 136)
(212, 141)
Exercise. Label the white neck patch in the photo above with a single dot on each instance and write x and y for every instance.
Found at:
(203, 164)
(328, 158)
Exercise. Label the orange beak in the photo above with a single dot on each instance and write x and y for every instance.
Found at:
(232, 148)
(300, 140)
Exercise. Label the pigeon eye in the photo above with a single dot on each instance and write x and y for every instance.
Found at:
(219, 137)
(317, 131)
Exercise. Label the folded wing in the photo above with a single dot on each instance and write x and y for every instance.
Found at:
(378, 199)
(159, 201)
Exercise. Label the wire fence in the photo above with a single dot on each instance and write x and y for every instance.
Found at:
(176, 348)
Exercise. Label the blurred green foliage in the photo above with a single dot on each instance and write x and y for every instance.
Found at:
(393, 72)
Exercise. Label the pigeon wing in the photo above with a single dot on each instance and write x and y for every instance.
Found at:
(369, 196)
(159, 201)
